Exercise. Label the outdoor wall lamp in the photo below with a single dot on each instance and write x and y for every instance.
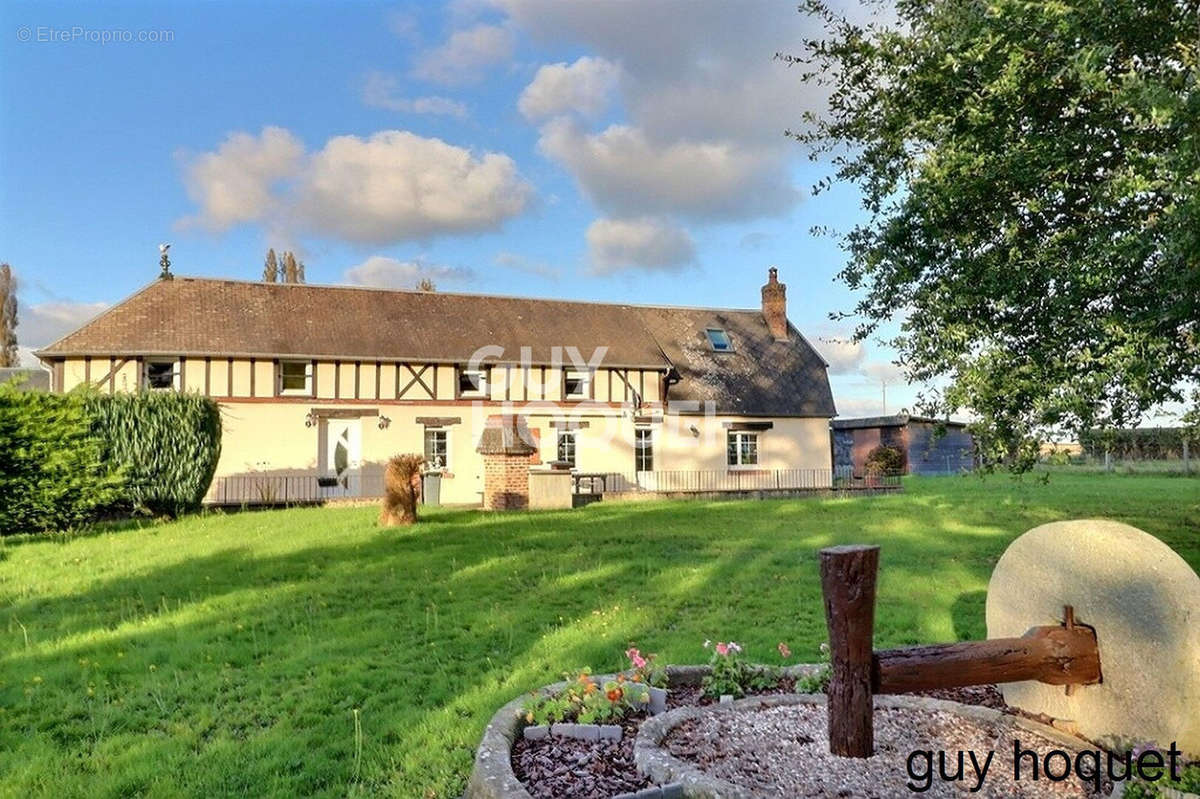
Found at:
(384, 423)
(695, 431)
(310, 419)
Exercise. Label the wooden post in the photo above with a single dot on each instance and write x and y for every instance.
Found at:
(848, 585)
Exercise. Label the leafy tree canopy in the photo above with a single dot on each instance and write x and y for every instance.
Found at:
(1031, 174)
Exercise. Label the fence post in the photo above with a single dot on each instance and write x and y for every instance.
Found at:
(848, 585)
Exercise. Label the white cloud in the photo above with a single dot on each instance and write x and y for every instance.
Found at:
(841, 352)
(237, 183)
(383, 272)
(706, 104)
(392, 186)
(585, 87)
(396, 185)
(47, 322)
(463, 57)
(379, 91)
(648, 243)
(625, 173)
(883, 372)
(519, 263)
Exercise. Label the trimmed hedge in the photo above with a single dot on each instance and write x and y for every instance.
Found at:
(167, 443)
(53, 475)
(67, 459)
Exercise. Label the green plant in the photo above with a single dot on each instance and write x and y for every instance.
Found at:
(643, 668)
(588, 702)
(732, 675)
(885, 460)
(167, 443)
(53, 473)
(818, 681)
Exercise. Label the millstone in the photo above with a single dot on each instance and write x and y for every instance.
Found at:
(1143, 601)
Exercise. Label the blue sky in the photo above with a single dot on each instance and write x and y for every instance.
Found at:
(607, 151)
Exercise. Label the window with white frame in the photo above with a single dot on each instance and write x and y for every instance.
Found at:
(472, 382)
(719, 340)
(643, 449)
(296, 378)
(566, 447)
(577, 384)
(437, 448)
(162, 375)
(742, 449)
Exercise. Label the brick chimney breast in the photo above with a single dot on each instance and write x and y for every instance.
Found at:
(774, 305)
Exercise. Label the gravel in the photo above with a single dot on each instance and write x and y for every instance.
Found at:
(784, 751)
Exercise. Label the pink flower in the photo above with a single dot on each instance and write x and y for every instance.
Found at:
(783, 650)
(722, 649)
(635, 657)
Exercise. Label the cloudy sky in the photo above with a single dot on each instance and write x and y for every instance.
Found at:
(622, 151)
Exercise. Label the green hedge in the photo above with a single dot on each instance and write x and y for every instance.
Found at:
(67, 459)
(53, 474)
(167, 443)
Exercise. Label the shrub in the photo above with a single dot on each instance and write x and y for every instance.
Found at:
(66, 459)
(53, 473)
(885, 460)
(167, 443)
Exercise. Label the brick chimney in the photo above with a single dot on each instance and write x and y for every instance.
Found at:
(774, 305)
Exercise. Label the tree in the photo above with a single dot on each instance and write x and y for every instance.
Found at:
(271, 267)
(8, 317)
(1031, 177)
(292, 271)
(425, 284)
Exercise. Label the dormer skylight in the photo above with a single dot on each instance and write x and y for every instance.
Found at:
(718, 339)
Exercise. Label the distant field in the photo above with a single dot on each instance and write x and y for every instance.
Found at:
(226, 655)
(1092, 465)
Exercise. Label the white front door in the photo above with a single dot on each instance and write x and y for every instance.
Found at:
(340, 456)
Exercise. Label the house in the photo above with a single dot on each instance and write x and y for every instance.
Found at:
(929, 446)
(321, 384)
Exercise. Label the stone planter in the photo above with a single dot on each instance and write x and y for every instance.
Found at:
(493, 778)
(661, 766)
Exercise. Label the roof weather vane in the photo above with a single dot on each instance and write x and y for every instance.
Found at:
(165, 263)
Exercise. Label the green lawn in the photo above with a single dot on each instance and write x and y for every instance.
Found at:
(227, 654)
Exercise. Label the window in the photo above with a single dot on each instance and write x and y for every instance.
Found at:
(643, 449)
(719, 340)
(742, 449)
(472, 382)
(566, 447)
(295, 377)
(577, 384)
(162, 375)
(437, 449)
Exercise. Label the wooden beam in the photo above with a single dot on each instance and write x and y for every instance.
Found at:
(848, 583)
(1056, 655)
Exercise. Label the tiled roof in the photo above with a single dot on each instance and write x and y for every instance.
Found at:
(198, 317)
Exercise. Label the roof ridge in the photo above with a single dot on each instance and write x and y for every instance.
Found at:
(477, 294)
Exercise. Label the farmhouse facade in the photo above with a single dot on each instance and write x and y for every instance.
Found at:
(325, 383)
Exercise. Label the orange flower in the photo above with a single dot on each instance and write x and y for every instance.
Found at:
(637, 678)
(620, 678)
(591, 688)
(614, 695)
